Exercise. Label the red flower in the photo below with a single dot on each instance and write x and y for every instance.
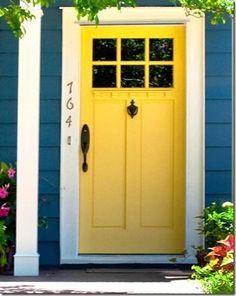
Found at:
(3, 191)
(4, 211)
(11, 173)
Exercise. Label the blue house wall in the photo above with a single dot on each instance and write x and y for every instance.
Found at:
(218, 112)
(218, 116)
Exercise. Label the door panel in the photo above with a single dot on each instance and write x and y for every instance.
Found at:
(157, 144)
(132, 198)
(109, 156)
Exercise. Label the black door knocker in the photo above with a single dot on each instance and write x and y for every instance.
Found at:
(132, 109)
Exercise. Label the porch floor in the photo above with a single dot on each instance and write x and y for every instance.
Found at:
(99, 281)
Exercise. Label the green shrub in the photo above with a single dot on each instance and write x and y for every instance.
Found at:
(216, 222)
(3, 244)
(216, 273)
(215, 282)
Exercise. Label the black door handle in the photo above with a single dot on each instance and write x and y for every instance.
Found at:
(85, 139)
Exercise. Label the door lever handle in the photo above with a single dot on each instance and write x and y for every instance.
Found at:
(85, 139)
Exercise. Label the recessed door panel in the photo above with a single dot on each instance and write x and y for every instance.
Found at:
(157, 145)
(109, 156)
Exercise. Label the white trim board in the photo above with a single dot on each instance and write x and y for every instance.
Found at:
(70, 136)
(26, 258)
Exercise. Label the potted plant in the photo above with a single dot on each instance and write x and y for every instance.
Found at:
(216, 222)
(217, 276)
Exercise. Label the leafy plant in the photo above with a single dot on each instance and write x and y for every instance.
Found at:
(91, 8)
(218, 9)
(3, 244)
(215, 283)
(217, 276)
(216, 222)
(14, 16)
(8, 199)
(8, 212)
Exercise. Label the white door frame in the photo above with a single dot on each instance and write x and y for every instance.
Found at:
(70, 130)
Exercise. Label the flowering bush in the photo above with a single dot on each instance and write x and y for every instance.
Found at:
(7, 209)
(215, 270)
(216, 222)
(217, 276)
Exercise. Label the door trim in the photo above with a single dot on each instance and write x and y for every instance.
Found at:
(70, 133)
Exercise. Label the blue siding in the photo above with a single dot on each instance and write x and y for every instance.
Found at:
(218, 182)
(218, 87)
(8, 87)
(218, 115)
(218, 64)
(49, 87)
(49, 135)
(49, 253)
(51, 111)
(218, 135)
(50, 234)
(51, 64)
(8, 44)
(219, 42)
(216, 158)
(8, 112)
(8, 62)
(51, 39)
(51, 158)
(49, 205)
(220, 198)
(8, 93)
(49, 182)
(8, 135)
(218, 112)
(49, 186)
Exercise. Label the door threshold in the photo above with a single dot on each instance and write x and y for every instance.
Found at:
(129, 259)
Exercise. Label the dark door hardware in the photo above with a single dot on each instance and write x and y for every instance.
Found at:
(132, 109)
(85, 139)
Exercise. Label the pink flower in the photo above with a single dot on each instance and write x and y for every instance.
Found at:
(4, 211)
(11, 173)
(3, 191)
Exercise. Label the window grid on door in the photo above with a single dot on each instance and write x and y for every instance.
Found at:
(152, 69)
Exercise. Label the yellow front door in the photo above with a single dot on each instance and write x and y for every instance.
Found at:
(132, 173)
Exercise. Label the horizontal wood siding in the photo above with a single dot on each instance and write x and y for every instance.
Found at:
(8, 93)
(218, 112)
(49, 187)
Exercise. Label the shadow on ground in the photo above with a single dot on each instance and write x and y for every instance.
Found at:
(106, 281)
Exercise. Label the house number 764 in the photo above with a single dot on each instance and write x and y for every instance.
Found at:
(69, 106)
